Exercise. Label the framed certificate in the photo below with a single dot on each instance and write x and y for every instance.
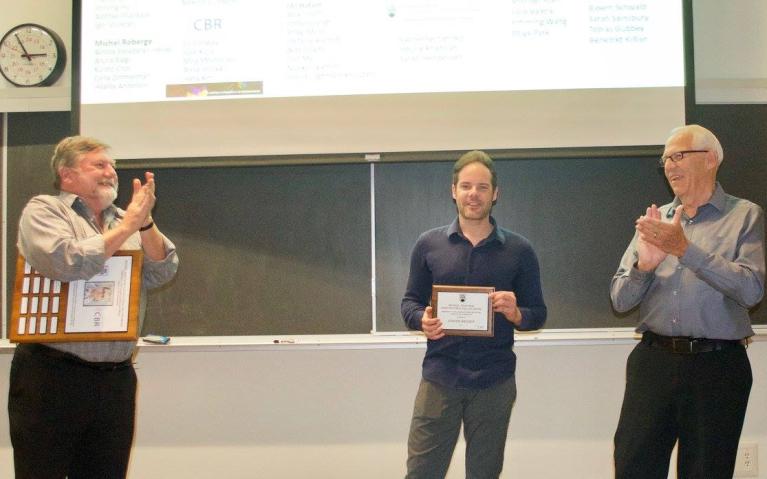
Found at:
(102, 308)
(463, 310)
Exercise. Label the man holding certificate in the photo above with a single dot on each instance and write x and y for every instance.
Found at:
(471, 285)
(71, 404)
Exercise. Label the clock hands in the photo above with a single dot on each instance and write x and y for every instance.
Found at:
(25, 54)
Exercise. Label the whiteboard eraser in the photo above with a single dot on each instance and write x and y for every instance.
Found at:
(156, 339)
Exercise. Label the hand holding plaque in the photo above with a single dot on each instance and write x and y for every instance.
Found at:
(463, 310)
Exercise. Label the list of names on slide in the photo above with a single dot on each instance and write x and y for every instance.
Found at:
(619, 22)
(142, 50)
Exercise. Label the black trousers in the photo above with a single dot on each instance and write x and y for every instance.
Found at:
(68, 418)
(698, 399)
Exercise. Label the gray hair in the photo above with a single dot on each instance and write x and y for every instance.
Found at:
(68, 152)
(701, 138)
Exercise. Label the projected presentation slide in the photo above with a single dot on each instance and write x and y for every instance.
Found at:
(290, 74)
(154, 51)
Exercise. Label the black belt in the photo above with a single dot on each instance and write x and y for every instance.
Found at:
(49, 352)
(686, 345)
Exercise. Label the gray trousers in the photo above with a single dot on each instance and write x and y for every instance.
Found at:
(437, 417)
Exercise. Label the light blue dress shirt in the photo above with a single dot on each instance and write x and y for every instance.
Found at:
(707, 292)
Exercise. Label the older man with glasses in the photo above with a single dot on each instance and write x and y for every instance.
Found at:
(694, 268)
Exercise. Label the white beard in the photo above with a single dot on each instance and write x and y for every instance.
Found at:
(107, 196)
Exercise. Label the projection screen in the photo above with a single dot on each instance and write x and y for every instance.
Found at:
(238, 78)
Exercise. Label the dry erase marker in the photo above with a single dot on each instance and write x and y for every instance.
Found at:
(284, 341)
(156, 339)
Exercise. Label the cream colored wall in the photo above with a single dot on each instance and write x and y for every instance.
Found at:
(730, 48)
(56, 15)
(327, 413)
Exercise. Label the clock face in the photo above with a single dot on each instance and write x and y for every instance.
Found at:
(31, 55)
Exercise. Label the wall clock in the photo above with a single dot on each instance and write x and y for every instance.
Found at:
(31, 55)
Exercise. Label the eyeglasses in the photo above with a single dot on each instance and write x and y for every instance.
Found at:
(675, 157)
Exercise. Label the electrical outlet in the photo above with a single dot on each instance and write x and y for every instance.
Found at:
(747, 464)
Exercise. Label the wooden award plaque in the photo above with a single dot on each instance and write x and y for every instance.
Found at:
(103, 308)
(465, 311)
